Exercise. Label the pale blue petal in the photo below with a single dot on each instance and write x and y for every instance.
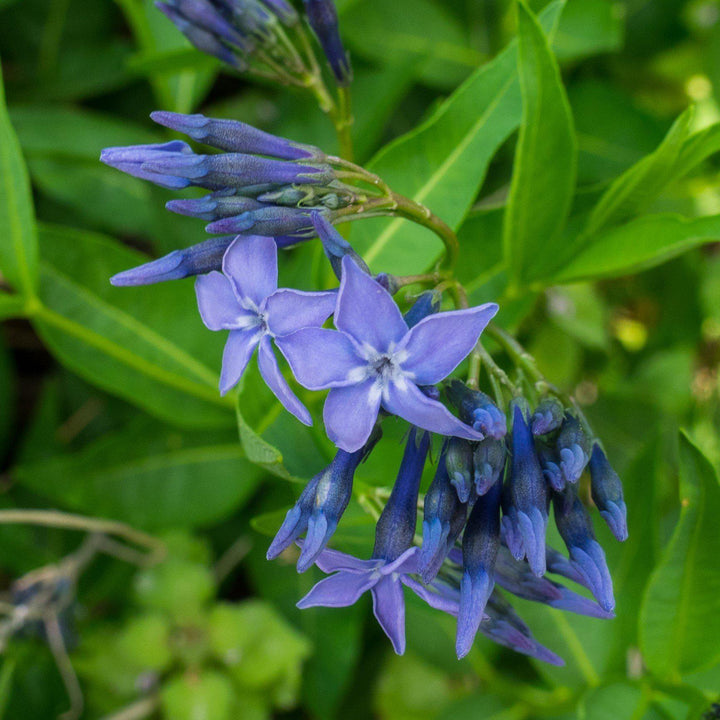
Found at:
(350, 414)
(291, 310)
(251, 264)
(238, 351)
(320, 358)
(219, 308)
(439, 343)
(389, 609)
(339, 590)
(366, 311)
(276, 382)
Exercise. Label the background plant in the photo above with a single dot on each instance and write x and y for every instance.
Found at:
(111, 407)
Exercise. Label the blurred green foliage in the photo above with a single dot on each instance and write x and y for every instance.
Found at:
(573, 148)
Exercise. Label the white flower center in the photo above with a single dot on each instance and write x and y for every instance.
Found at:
(384, 367)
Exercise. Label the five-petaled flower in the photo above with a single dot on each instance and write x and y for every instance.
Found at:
(245, 300)
(375, 360)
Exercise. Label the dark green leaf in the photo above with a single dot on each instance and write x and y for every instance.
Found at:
(546, 157)
(18, 234)
(680, 622)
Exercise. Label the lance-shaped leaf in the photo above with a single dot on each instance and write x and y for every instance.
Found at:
(18, 234)
(545, 160)
(680, 622)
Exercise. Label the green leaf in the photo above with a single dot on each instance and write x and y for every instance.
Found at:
(680, 622)
(144, 344)
(18, 234)
(442, 163)
(546, 157)
(642, 182)
(149, 475)
(618, 701)
(637, 245)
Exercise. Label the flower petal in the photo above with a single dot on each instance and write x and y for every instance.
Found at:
(219, 308)
(338, 590)
(238, 351)
(290, 310)
(389, 609)
(366, 311)
(439, 343)
(434, 596)
(333, 560)
(320, 358)
(276, 382)
(408, 402)
(251, 264)
(350, 414)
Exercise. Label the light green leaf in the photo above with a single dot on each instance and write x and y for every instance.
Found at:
(637, 245)
(642, 182)
(545, 160)
(680, 616)
(144, 344)
(260, 451)
(589, 27)
(149, 475)
(618, 701)
(18, 234)
(443, 162)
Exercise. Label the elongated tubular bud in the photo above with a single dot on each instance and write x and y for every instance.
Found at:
(607, 493)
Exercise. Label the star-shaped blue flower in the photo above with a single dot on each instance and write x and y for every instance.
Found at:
(375, 360)
(245, 300)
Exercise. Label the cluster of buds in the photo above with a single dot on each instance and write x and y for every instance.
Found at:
(260, 184)
(263, 37)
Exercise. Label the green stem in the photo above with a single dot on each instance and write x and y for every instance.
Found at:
(343, 123)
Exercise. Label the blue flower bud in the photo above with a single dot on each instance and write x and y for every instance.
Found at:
(428, 303)
(268, 220)
(443, 520)
(233, 170)
(586, 555)
(477, 409)
(488, 463)
(607, 493)
(459, 462)
(215, 206)
(203, 15)
(572, 448)
(548, 416)
(318, 509)
(558, 564)
(335, 245)
(323, 19)
(525, 502)
(481, 541)
(395, 529)
(517, 578)
(236, 137)
(195, 260)
(208, 42)
(504, 627)
(132, 159)
(550, 464)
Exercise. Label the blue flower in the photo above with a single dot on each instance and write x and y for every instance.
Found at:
(525, 503)
(481, 541)
(477, 409)
(459, 463)
(607, 493)
(245, 300)
(548, 416)
(444, 516)
(374, 360)
(393, 556)
(323, 19)
(572, 448)
(319, 508)
(488, 463)
(586, 555)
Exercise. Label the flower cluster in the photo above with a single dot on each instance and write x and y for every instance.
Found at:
(501, 465)
(254, 35)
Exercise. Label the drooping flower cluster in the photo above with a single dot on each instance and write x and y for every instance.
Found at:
(486, 512)
(255, 35)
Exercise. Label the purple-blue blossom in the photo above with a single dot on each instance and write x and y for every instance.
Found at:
(245, 300)
(374, 360)
(323, 19)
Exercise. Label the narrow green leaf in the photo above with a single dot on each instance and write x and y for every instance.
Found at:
(642, 182)
(18, 234)
(149, 475)
(443, 162)
(260, 451)
(697, 148)
(680, 618)
(545, 160)
(637, 245)
(589, 27)
(144, 344)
